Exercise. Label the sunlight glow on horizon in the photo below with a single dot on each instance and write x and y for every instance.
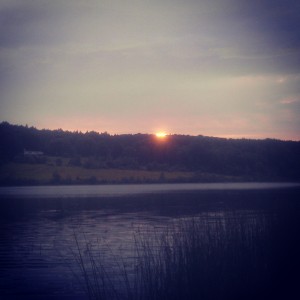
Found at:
(160, 134)
(227, 133)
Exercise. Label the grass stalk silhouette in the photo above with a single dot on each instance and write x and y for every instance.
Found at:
(206, 257)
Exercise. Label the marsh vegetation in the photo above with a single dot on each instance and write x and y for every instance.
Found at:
(212, 256)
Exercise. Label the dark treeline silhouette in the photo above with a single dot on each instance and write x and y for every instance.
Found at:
(249, 159)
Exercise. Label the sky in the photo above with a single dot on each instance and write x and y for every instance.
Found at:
(224, 68)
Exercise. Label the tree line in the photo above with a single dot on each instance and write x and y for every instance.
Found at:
(250, 159)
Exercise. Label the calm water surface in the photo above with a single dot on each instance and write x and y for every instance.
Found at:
(38, 225)
(130, 189)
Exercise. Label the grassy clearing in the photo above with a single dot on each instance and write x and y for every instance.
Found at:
(228, 257)
(45, 174)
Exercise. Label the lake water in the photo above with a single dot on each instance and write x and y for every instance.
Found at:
(39, 226)
(130, 189)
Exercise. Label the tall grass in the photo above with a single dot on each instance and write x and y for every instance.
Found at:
(229, 256)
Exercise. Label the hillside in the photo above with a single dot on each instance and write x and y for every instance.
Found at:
(91, 157)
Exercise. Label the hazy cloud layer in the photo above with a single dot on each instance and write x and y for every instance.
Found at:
(223, 68)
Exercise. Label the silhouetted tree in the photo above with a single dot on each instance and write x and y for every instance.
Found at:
(251, 159)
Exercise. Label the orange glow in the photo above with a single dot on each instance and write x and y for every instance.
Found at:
(161, 135)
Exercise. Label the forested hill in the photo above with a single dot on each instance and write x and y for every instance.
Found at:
(244, 158)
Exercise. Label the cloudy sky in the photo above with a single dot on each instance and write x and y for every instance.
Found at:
(227, 68)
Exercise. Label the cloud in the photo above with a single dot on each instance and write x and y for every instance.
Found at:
(145, 62)
(24, 23)
(287, 101)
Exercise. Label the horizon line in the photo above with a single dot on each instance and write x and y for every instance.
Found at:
(227, 137)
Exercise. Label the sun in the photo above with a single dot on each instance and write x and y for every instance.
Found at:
(160, 134)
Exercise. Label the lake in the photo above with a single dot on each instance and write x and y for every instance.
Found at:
(43, 227)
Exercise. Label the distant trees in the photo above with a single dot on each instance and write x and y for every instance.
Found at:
(251, 159)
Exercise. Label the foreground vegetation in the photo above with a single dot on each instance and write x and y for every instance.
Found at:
(228, 256)
(175, 158)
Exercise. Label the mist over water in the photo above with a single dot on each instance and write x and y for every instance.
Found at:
(125, 189)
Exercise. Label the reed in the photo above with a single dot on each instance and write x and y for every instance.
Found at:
(212, 256)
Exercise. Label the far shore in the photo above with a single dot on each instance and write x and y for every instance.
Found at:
(22, 174)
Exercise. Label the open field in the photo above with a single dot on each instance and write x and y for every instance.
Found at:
(46, 174)
(63, 170)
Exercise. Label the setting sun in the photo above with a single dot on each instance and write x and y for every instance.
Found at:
(161, 134)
